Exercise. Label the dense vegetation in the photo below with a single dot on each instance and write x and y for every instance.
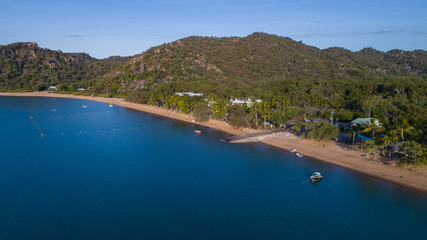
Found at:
(25, 66)
(399, 104)
(296, 83)
(239, 67)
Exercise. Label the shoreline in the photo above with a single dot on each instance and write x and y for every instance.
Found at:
(332, 152)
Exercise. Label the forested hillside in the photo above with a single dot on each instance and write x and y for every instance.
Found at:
(226, 66)
(218, 65)
(26, 66)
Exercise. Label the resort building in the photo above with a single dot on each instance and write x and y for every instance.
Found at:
(248, 101)
(81, 89)
(191, 94)
(52, 89)
(364, 121)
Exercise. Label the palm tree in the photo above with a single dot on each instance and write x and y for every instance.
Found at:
(219, 108)
(154, 98)
(168, 102)
(284, 102)
(405, 127)
(387, 140)
(373, 126)
(265, 112)
(254, 110)
(297, 126)
(174, 101)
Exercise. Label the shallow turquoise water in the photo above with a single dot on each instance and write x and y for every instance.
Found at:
(114, 173)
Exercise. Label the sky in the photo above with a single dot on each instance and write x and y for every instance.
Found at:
(128, 27)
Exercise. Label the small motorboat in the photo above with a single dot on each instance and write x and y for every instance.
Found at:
(293, 150)
(316, 177)
(111, 105)
(299, 154)
(197, 131)
(84, 106)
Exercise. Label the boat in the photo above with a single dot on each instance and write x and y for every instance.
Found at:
(293, 150)
(84, 106)
(316, 177)
(197, 131)
(111, 105)
(299, 155)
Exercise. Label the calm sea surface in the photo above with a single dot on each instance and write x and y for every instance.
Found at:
(113, 173)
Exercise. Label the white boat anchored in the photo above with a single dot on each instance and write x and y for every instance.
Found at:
(316, 177)
(299, 155)
(293, 150)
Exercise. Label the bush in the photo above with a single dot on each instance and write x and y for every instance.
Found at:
(201, 112)
(138, 97)
(322, 132)
(237, 116)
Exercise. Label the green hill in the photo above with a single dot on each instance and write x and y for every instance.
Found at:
(207, 64)
(26, 66)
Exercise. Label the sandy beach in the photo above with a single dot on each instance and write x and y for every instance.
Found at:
(332, 152)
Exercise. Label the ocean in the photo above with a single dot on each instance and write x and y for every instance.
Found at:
(78, 169)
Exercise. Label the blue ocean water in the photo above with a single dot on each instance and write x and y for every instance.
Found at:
(114, 173)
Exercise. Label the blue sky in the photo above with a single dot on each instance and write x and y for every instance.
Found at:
(128, 27)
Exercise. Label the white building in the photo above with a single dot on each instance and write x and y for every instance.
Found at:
(52, 88)
(365, 121)
(191, 94)
(248, 101)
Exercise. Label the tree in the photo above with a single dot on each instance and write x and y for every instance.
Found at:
(189, 103)
(201, 112)
(237, 116)
(375, 106)
(403, 128)
(138, 97)
(372, 148)
(265, 112)
(297, 127)
(219, 108)
(373, 126)
(155, 98)
(254, 111)
(181, 106)
(281, 102)
(323, 132)
(174, 101)
(345, 114)
(413, 152)
(388, 140)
